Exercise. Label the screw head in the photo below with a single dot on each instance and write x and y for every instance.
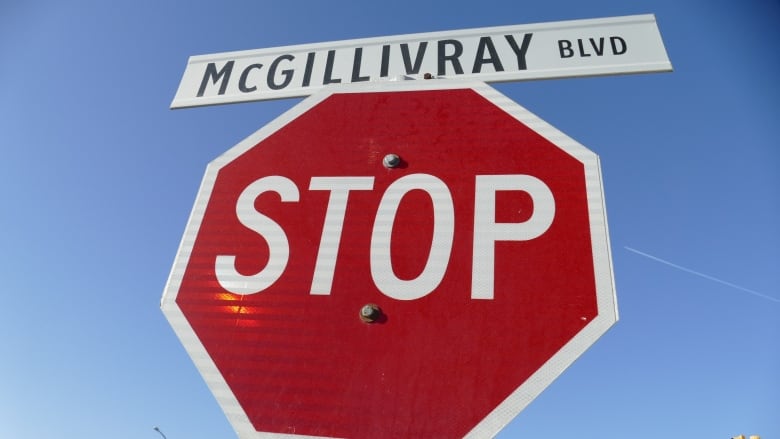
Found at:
(369, 313)
(391, 161)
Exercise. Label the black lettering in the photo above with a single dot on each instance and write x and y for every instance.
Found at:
(307, 70)
(564, 47)
(582, 49)
(328, 79)
(288, 74)
(244, 75)
(214, 75)
(453, 58)
(523, 49)
(599, 49)
(413, 68)
(356, 66)
(383, 69)
(623, 45)
(479, 59)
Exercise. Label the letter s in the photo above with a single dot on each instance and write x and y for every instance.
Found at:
(278, 247)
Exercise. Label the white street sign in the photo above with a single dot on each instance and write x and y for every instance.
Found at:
(605, 46)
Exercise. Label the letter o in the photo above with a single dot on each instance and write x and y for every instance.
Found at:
(441, 244)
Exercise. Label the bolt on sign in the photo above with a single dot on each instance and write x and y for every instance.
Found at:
(398, 259)
(604, 46)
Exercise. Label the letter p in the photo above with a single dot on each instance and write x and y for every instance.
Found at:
(487, 231)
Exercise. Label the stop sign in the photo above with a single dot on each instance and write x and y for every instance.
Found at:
(405, 259)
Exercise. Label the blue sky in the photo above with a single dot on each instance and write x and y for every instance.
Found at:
(99, 176)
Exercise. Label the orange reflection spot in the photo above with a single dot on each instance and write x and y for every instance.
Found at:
(228, 297)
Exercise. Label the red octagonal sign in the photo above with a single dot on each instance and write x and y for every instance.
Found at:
(407, 259)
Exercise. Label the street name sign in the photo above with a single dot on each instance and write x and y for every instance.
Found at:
(605, 46)
(393, 259)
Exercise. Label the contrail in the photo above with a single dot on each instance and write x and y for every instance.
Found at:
(714, 279)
